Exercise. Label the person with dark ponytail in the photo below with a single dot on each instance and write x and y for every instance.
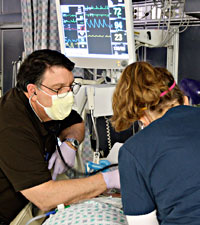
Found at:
(159, 165)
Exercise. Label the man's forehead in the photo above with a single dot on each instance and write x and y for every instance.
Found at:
(56, 71)
(58, 75)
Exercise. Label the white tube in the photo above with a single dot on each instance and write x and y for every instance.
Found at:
(35, 218)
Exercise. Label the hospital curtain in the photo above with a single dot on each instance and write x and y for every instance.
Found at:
(40, 28)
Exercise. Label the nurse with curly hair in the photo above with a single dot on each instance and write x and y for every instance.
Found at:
(159, 166)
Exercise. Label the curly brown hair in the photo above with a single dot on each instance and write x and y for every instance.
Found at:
(139, 88)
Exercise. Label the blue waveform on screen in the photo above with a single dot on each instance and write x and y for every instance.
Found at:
(97, 23)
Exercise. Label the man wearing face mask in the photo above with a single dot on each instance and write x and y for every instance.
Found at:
(32, 116)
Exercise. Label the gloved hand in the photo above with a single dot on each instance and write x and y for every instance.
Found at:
(111, 179)
(59, 167)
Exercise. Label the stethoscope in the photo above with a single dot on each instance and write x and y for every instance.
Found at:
(75, 172)
(71, 170)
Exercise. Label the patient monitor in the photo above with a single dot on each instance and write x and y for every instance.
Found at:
(98, 33)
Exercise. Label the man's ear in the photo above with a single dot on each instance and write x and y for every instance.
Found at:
(186, 100)
(31, 90)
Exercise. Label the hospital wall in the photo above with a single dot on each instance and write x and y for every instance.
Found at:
(11, 39)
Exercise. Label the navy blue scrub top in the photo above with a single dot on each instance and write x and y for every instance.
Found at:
(160, 168)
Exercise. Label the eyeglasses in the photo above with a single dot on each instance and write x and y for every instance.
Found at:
(74, 87)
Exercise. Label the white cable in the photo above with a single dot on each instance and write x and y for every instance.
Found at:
(91, 72)
(168, 26)
(35, 218)
(166, 6)
(145, 13)
(188, 21)
(14, 74)
(95, 75)
(187, 25)
(174, 31)
(107, 74)
(138, 46)
(108, 133)
(95, 131)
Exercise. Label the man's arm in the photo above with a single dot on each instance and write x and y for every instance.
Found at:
(52, 193)
(76, 131)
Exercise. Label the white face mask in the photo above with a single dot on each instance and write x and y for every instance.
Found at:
(61, 106)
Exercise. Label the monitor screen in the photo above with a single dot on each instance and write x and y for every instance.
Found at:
(96, 33)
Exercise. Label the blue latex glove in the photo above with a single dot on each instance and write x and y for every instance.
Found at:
(68, 154)
(93, 167)
(111, 179)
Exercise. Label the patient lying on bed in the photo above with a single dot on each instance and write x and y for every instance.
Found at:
(103, 210)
